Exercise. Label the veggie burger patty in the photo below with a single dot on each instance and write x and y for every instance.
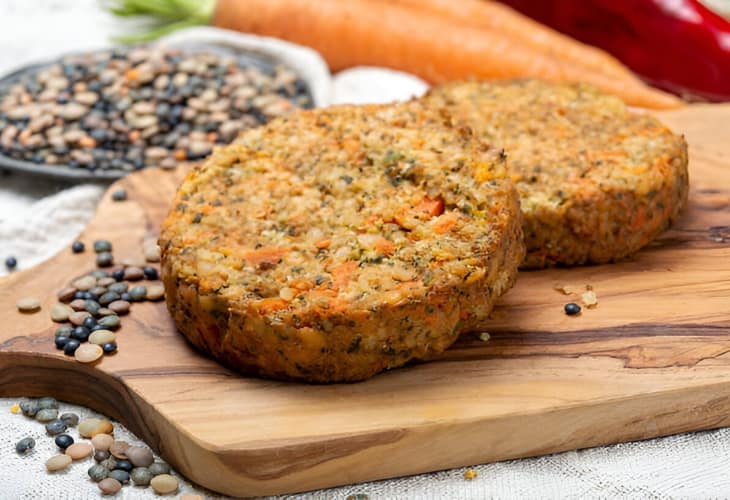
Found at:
(597, 181)
(333, 244)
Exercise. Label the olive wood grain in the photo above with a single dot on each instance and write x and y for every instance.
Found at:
(652, 359)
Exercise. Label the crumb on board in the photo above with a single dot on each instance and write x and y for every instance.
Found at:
(470, 474)
(484, 336)
(589, 299)
(563, 288)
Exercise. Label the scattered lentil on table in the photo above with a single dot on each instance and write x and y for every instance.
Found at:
(55, 427)
(164, 484)
(79, 451)
(28, 305)
(129, 108)
(11, 263)
(141, 476)
(94, 302)
(119, 195)
(71, 419)
(98, 472)
(109, 486)
(102, 442)
(572, 309)
(46, 415)
(134, 463)
(88, 353)
(78, 247)
(120, 475)
(63, 441)
(58, 462)
(124, 465)
(25, 446)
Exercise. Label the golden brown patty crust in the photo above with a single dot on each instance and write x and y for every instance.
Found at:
(333, 244)
(597, 181)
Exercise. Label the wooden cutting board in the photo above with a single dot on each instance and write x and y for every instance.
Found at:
(652, 359)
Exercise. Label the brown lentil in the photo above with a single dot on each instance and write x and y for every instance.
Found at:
(109, 486)
(88, 353)
(28, 305)
(77, 451)
(164, 484)
(59, 462)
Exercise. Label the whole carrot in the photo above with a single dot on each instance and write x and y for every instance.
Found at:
(434, 47)
(491, 15)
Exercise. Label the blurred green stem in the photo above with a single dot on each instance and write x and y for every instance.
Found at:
(165, 16)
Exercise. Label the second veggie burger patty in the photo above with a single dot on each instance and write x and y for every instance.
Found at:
(333, 244)
(597, 181)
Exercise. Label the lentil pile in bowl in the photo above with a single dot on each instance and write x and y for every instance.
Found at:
(107, 113)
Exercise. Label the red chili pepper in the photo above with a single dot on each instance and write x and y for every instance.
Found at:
(677, 45)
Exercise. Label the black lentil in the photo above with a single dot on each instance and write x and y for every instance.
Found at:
(120, 475)
(63, 441)
(109, 348)
(89, 322)
(80, 333)
(119, 195)
(118, 274)
(151, 273)
(70, 348)
(11, 262)
(124, 465)
(78, 247)
(101, 455)
(61, 341)
(571, 309)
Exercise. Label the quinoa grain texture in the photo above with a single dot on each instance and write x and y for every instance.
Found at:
(333, 244)
(597, 181)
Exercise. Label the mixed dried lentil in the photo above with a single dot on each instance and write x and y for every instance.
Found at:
(115, 462)
(91, 306)
(126, 109)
